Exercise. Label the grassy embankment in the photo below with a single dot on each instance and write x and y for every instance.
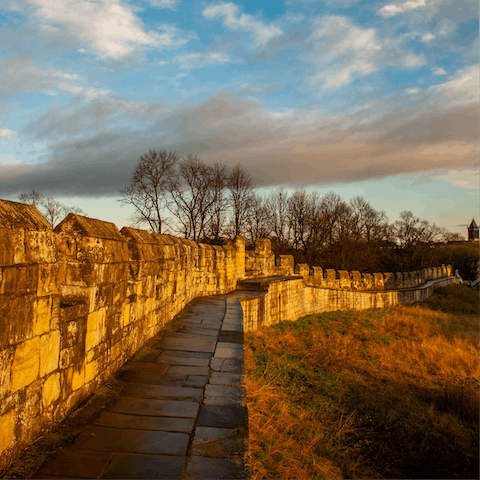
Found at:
(388, 393)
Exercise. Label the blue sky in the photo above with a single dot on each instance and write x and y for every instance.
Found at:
(371, 98)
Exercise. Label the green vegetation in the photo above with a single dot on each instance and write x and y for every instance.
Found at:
(374, 394)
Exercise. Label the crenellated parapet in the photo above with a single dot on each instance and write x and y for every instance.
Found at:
(78, 301)
(262, 263)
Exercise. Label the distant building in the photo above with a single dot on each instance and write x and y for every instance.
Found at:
(473, 232)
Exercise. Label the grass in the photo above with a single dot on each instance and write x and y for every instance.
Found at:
(390, 393)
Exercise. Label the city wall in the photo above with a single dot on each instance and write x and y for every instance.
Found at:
(313, 290)
(78, 301)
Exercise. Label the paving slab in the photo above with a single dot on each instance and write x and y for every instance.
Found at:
(132, 441)
(212, 434)
(197, 381)
(187, 354)
(191, 347)
(227, 378)
(74, 463)
(159, 391)
(224, 391)
(127, 465)
(147, 366)
(229, 352)
(223, 416)
(188, 370)
(203, 467)
(186, 361)
(151, 378)
(222, 448)
(231, 337)
(163, 408)
(233, 365)
(141, 422)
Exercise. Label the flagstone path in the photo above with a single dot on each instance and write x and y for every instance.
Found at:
(180, 411)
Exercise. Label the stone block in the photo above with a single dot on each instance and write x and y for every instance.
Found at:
(47, 280)
(96, 328)
(26, 363)
(50, 352)
(367, 280)
(263, 246)
(91, 371)
(7, 425)
(39, 246)
(18, 317)
(42, 315)
(7, 252)
(303, 270)
(331, 276)
(345, 281)
(51, 389)
(76, 375)
(379, 281)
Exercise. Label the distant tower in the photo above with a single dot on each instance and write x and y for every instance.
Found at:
(473, 232)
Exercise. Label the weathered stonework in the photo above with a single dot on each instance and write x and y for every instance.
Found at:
(79, 301)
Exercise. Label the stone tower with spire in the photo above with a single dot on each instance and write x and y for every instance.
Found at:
(473, 232)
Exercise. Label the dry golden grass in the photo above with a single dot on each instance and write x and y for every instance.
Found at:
(380, 394)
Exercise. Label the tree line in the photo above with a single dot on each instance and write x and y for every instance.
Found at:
(201, 202)
(205, 203)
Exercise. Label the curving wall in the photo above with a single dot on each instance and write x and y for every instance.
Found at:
(77, 302)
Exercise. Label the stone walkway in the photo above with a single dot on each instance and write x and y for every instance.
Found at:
(180, 411)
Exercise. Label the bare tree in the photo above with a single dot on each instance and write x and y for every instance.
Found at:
(415, 237)
(216, 223)
(240, 185)
(277, 204)
(32, 198)
(149, 187)
(303, 208)
(194, 196)
(51, 209)
(258, 224)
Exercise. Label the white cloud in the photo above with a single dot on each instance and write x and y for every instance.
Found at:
(22, 75)
(396, 8)
(468, 178)
(202, 59)
(413, 90)
(439, 71)
(170, 4)
(6, 134)
(461, 89)
(427, 37)
(344, 51)
(232, 19)
(108, 28)
(8, 159)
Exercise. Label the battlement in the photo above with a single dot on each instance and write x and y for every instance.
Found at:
(78, 301)
(262, 262)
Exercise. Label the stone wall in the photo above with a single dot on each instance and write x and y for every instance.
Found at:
(262, 263)
(291, 299)
(77, 302)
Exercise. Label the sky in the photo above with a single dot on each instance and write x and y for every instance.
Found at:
(372, 98)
